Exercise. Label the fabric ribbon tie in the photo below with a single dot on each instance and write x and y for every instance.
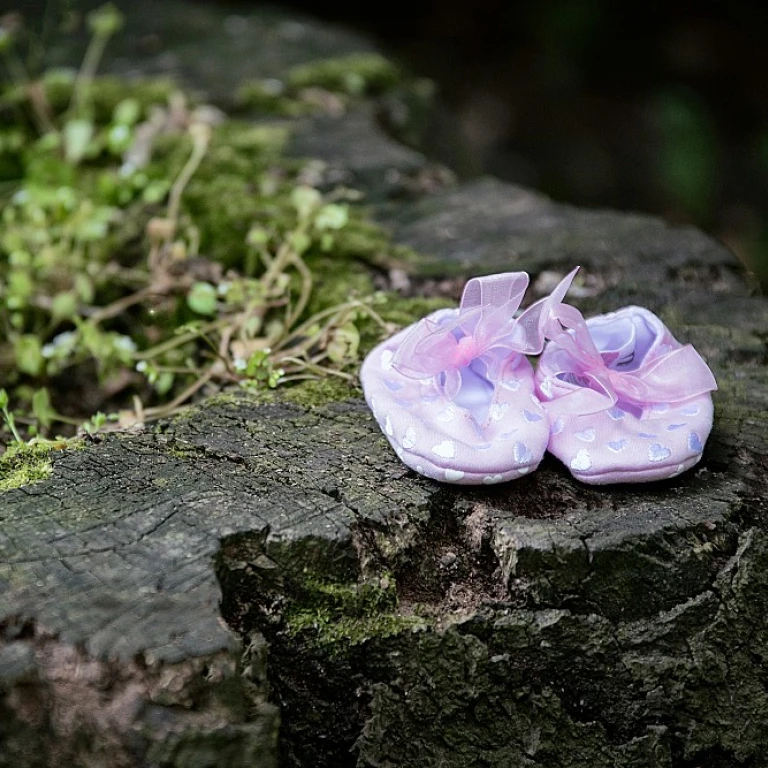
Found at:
(601, 387)
(484, 328)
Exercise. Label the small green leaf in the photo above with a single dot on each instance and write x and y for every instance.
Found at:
(344, 343)
(20, 288)
(300, 242)
(105, 21)
(332, 217)
(257, 236)
(258, 364)
(305, 200)
(127, 112)
(3, 399)
(155, 191)
(28, 353)
(164, 383)
(119, 138)
(63, 306)
(202, 299)
(42, 408)
(77, 137)
(84, 287)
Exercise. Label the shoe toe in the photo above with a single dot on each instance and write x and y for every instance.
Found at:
(442, 440)
(617, 446)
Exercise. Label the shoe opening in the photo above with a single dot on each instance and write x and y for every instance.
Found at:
(476, 390)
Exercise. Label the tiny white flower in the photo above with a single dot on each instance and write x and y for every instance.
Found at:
(125, 343)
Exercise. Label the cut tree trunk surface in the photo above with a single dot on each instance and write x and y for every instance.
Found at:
(169, 598)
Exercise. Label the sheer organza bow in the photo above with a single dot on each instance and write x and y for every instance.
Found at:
(601, 387)
(484, 327)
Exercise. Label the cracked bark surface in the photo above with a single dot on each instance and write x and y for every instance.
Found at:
(167, 598)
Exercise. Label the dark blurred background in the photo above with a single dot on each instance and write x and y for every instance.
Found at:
(658, 106)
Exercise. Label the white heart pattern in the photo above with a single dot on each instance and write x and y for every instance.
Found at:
(446, 449)
(616, 414)
(557, 427)
(522, 454)
(497, 411)
(530, 416)
(492, 479)
(446, 415)
(586, 435)
(691, 410)
(617, 446)
(388, 426)
(409, 438)
(658, 452)
(452, 475)
(582, 461)
(694, 443)
(386, 359)
(546, 387)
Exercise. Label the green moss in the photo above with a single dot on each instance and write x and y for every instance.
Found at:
(73, 224)
(314, 393)
(270, 97)
(330, 631)
(223, 198)
(336, 282)
(358, 74)
(29, 463)
(105, 93)
(403, 312)
(363, 239)
(336, 614)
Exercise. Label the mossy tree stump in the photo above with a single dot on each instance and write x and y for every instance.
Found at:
(168, 598)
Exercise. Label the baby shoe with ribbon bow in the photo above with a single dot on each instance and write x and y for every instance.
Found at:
(454, 393)
(626, 401)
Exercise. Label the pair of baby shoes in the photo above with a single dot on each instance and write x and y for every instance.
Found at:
(616, 398)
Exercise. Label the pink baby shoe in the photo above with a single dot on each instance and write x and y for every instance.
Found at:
(627, 403)
(454, 393)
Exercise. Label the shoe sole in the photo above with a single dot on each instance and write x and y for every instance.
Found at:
(459, 477)
(664, 472)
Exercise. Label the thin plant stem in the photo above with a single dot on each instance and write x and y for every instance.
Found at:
(118, 307)
(319, 370)
(306, 291)
(11, 422)
(180, 399)
(169, 344)
(82, 88)
(200, 140)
